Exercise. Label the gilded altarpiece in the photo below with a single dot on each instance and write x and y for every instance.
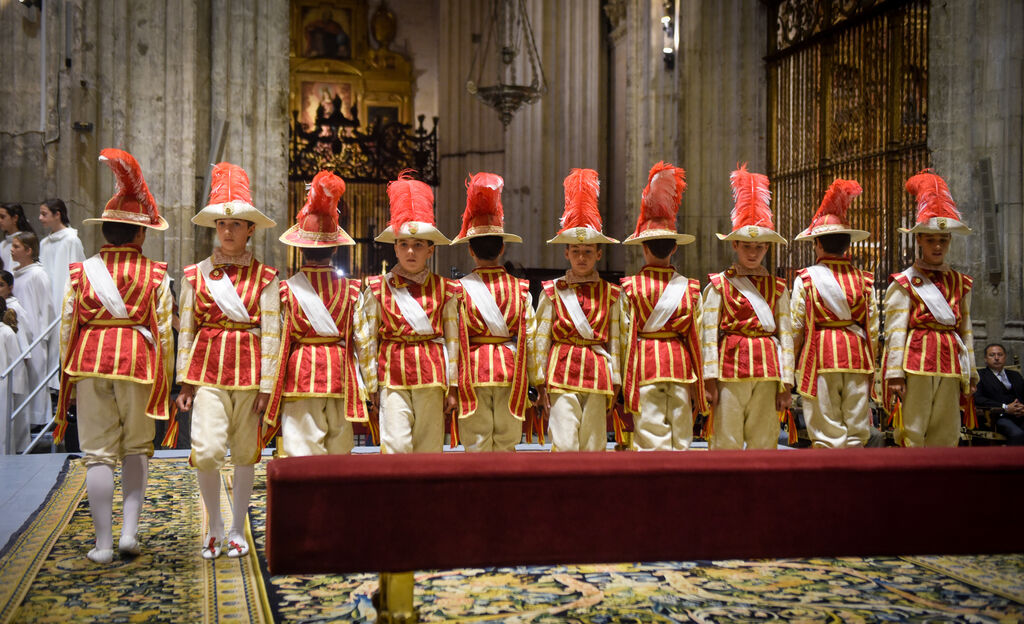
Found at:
(352, 113)
(848, 83)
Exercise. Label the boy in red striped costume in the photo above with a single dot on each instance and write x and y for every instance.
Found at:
(746, 337)
(835, 318)
(116, 354)
(580, 328)
(227, 353)
(661, 372)
(497, 311)
(409, 320)
(318, 383)
(929, 345)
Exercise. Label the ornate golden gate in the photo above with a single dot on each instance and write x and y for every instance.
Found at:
(848, 95)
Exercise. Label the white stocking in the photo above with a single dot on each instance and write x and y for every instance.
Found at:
(99, 483)
(134, 473)
(240, 495)
(209, 489)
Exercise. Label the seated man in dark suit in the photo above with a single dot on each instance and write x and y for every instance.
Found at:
(1002, 392)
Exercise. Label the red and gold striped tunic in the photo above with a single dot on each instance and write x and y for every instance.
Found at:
(227, 353)
(407, 359)
(97, 344)
(745, 349)
(319, 365)
(573, 364)
(832, 345)
(671, 354)
(931, 348)
(491, 361)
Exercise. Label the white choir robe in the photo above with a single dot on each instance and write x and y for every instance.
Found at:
(32, 288)
(56, 252)
(5, 252)
(16, 383)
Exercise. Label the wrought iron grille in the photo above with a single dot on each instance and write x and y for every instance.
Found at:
(848, 99)
(367, 161)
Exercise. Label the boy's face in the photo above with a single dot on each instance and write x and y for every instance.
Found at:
(5, 289)
(582, 258)
(750, 255)
(933, 247)
(50, 220)
(413, 254)
(233, 234)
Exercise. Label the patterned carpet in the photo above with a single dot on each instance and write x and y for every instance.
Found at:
(45, 577)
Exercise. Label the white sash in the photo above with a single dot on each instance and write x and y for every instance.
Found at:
(833, 295)
(411, 309)
(937, 304)
(103, 284)
(313, 306)
(761, 308)
(579, 319)
(667, 304)
(484, 301)
(932, 297)
(224, 294)
(414, 314)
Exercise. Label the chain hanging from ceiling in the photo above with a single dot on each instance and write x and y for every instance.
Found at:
(507, 46)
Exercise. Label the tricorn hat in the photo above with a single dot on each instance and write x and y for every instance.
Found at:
(659, 206)
(581, 220)
(831, 215)
(412, 211)
(936, 210)
(751, 213)
(230, 199)
(316, 225)
(484, 215)
(132, 203)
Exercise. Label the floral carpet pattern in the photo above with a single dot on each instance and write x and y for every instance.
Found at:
(169, 582)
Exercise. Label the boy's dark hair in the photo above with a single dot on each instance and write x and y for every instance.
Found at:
(317, 254)
(835, 244)
(487, 247)
(7, 277)
(57, 205)
(117, 233)
(660, 248)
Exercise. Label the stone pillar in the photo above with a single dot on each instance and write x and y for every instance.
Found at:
(982, 83)
(723, 119)
(470, 135)
(249, 88)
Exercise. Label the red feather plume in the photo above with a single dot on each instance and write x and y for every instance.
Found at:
(664, 191)
(229, 182)
(837, 200)
(483, 201)
(751, 199)
(130, 182)
(933, 197)
(324, 194)
(582, 188)
(411, 200)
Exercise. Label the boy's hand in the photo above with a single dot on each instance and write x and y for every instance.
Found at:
(711, 391)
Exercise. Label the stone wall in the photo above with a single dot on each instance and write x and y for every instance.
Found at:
(976, 107)
(153, 79)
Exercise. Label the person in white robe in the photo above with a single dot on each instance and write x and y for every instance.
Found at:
(12, 221)
(15, 384)
(32, 288)
(57, 251)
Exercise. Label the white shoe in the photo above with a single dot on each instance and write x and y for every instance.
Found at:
(212, 548)
(97, 555)
(237, 547)
(129, 545)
